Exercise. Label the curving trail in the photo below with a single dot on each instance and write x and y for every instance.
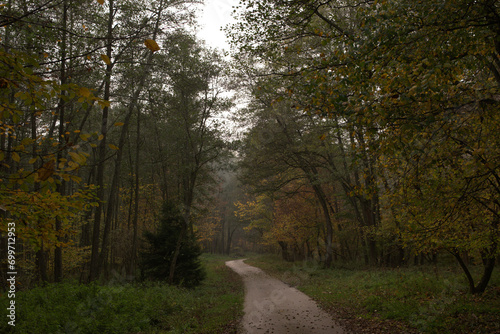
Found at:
(271, 306)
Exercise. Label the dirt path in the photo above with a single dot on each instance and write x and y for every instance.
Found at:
(271, 306)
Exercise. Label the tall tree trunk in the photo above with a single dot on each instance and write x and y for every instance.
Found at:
(323, 201)
(40, 257)
(368, 218)
(58, 263)
(136, 193)
(41, 261)
(229, 239)
(113, 192)
(223, 231)
(94, 260)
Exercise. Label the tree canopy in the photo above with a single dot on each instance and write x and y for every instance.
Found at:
(369, 133)
(404, 95)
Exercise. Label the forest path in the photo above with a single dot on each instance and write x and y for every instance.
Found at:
(271, 306)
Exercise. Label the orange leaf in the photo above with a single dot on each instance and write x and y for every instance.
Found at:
(151, 45)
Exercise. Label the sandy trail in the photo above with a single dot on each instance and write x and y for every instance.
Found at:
(271, 306)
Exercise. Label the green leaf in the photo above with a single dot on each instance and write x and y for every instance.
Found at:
(15, 156)
(84, 136)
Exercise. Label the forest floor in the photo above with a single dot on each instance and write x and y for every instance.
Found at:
(119, 306)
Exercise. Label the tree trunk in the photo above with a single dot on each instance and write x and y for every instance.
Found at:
(223, 232)
(94, 261)
(113, 192)
(323, 201)
(284, 251)
(178, 246)
(488, 266)
(229, 239)
(136, 195)
(41, 261)
(58, 263)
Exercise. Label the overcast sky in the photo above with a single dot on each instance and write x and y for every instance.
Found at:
(214, 15)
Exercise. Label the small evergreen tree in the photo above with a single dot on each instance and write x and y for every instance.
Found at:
(157, 256)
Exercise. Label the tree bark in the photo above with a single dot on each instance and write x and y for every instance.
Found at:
(136, 196)
(178, 246)
(58, 262)
(94, 261)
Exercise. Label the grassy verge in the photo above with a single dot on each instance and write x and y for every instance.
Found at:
(214, 307)
(416, 299)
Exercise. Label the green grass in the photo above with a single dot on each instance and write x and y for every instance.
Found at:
(424, 299)
(214, 307)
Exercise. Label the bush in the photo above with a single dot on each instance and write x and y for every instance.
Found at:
(157, 256)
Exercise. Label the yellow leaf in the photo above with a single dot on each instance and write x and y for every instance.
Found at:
(103, 103)
(101, 137)
(151, 45)
(83, 91)
(32, 160)
(85, 136)
(119, 124)
(72, 165)
(75, 178)
(16, 157)
(46, 171)
(113, 147)
(106, 59)
(78, 158)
